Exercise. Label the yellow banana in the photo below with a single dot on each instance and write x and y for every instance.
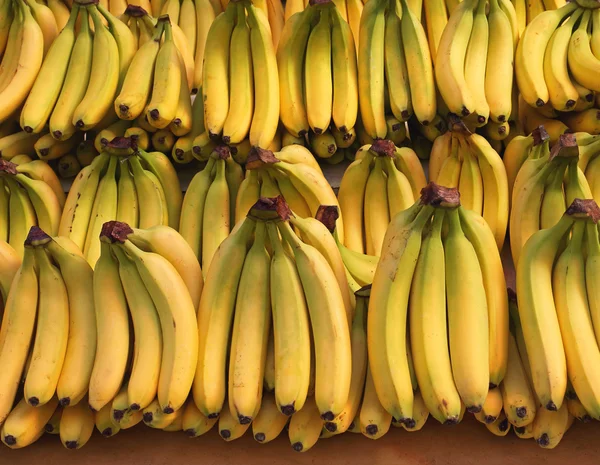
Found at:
(104, 424)
(76, 425)
(436, 15)
(53, 425)
(377, 216)
(583, 64)
(396, 71)
(475, 63)
(195, 424)
(155, 417)
(375, 421)
(25, 424)
(305, 426)
(549, 426)
(229, 427)
(491, 411)
(470, 184)
(269, 422)
(420, 415)
(21, 216)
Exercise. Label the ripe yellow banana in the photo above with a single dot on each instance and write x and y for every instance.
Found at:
(475, 63)
(305, 426)
(269, 422)
(549, 427)
(250, 334)
(470, 184)
(396, 71)
(40, 171)
(195, 424)
(76, 425)
(17, 329)
(436, 19)
(292, 345)
(374, 420)
(229, 427)
(154, 417)
(104, 423)
(583, 64)
(104, 77)
(376, 216)
(25, 424)
(215, 315)
(205, 15)
(491, 411)
(21, 216)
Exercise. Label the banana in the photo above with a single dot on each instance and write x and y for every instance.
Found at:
(163, 169)
(76, 425)
(529, 58)
(400, 251)
(358, 341)
(570, 297)
(250, 331)
(104, 424)
(450, 60)
(291, 69)
(266, 81)
(500, 427)
(195, 424)
(104, 209)
(553, 203)
(467, 305)
(16, 82)
(376, 208)
(104, 77)
(52, 332)
(215, 80)
(241, 103)
(475, 63)
(371, 69)
(515, 154)
(49, 81)
(449, 174)
(519, 402)
(68, 166)
(323, 144)
(229, 427)
(577, 410)
(154, 416)
(248, 195)
(162, 108)
(177, 316)
(112, 319)
(269, 422)
(44, 201)
(25, 424)
(436, 15)
(345, 74)
(317, 78)
(420, 415)
(396, 71)
(524, 432)
(21, 216)
(563, 94)
(583, 64)
(292, 197)
(7, 18)
(420, 70)
(269, 376)
(375, 421)
(151, 208)
(491, 411)
(17, 330)
(18, 144)
(75, 82)
(305, 426)
(127, 200)
(499, 68)
(361, 267)
(182, 150)
(143, 382)
(584, 121)
(429, 341)
(106, 135)
(204, 15)
(11, 263)
(46, 21)
(537, 314)
(292, 345)
(295, 154)
(550, 426)
(53, 425)
(470, 184)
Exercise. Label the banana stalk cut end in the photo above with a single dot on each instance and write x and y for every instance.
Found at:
(135, 11)
(270, 208)
(565, 147)
(439, 196)
(328, 215)
(584, 208)
(382, 147)
(8, 167)
(258, 157)
(115, 231)
(37, 237)
(222, 152)
(540, 135)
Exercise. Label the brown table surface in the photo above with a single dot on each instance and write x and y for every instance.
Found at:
(464, 444)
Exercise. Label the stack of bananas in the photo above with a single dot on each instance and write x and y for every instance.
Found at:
(395, 69)
(546, 183)
(383, 181)
(208, 210)
(318, 79)
(126, 184)
(558, 58)
(439, 278)
(468, 162)
(151, 276)
(50, 340)
(30, 195)
(297, 279)
(557, 288)
(240, 85)
(474, 63)
(292, 173)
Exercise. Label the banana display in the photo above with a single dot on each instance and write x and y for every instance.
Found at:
(383, 181)
(468, 162)
(123, 183)
(208, 210)
(30, 195)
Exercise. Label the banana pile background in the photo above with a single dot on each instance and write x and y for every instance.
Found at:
(262, 298)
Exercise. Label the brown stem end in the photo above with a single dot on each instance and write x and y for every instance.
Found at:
(435, 195)
(328, 215)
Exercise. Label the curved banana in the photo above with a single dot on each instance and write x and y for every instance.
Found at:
(376, 216)
(76, 425)
(475, 63)
(195, 424)
(374, 420)
(269, 422)
(25, 424)
(21, 216)
(583, 64)
(205, 15)
(305, 426)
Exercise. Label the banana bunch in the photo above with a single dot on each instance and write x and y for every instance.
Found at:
(383, 181)
(315, 97)
(27, 29)
(556, 288)
(81, 74)
(439, 277)
(50, 337)
(546, 184)
(395, 68)
(208, 210)
(151, 278)
(240, 84)
(468, 162)
(292, 173)
(557, 62)
(474, 63)
(156, 86)
(123, 183)
(30, 195)
(277, 267)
